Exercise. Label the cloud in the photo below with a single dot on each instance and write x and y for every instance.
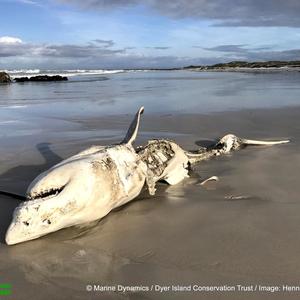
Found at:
(95, 54)
(240, 52)
(75, 51)
(8, 40)
(158, 48)
(222, 12)
(228, 48)
(100, 4)
(30, 2)
(105, 43)
(15, 53)
(12, 46)
(286, 55)
(27, 2)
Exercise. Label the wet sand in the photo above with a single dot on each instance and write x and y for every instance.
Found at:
(186, 234)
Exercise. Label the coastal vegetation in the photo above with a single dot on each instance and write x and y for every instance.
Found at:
(248, 65)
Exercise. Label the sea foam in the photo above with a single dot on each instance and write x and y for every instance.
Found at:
(68, 73)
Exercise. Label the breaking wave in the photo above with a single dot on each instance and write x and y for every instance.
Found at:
(68, 73)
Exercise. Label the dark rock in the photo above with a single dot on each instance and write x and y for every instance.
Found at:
(4, 78)
(41, 78)
(21, 79)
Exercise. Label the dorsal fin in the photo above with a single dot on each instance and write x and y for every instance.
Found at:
(134, 127)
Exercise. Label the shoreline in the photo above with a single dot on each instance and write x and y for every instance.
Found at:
(247, 70)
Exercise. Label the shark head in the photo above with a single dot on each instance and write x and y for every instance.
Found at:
(80, 189)
(63, 196)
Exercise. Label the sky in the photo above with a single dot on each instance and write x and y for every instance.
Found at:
(117, 34)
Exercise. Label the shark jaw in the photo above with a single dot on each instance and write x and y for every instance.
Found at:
(80, 190)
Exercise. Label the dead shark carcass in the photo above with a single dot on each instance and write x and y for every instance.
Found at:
(87, 186)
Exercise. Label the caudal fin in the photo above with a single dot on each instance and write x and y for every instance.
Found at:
(134, 127)
(226, 144)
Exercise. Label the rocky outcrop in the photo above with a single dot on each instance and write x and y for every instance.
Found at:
(41, 78)
(4, 77)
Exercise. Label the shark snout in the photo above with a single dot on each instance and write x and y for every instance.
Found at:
(42, 213)
(23, 227)
(35, 218)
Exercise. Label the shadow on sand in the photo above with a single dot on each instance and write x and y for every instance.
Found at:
(206, 143)
(16, 181)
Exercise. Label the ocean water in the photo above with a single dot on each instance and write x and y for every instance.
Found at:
(102, 92)
(98, 92)
(33, 109)
(34, 72)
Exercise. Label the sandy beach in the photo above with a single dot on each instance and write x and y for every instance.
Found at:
(184, 235)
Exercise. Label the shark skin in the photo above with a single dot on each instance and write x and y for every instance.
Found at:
(88, 185)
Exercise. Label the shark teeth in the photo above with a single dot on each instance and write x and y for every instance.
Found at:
(52, 192)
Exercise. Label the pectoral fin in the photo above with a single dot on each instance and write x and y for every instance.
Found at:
(177, 175)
